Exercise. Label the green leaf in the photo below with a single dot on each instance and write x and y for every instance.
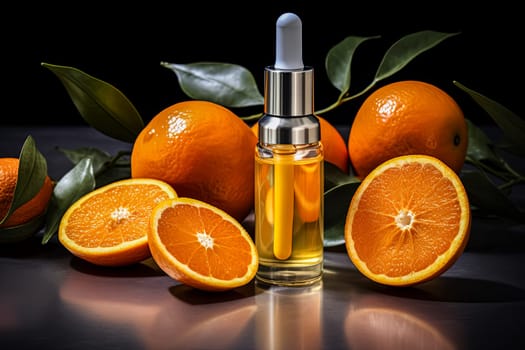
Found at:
(406, 49)
(513, 127)
(101, 105)
(481, 150)
(98, 157)
(339, 190)
(32, 171)
(107, 168)
(112, 174)
(333, 176)
(486, 197)
(74, 184)
(480, 146)
(227, 84)
(22, 232)
(339, 60)
(337, 201)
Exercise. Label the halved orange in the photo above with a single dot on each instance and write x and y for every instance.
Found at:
(408, 221)
(109, 226)
(201, 246)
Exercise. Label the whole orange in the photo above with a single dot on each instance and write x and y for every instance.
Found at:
(334, 145)
(407, 117)
(29, 210)
(204, 151)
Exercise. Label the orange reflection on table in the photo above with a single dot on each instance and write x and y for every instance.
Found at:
(374, 324)
(161, 313)
(289, 318)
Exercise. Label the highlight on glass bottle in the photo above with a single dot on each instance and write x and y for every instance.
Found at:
(289, 172)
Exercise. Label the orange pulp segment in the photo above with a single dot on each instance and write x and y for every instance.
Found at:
(109, 226)
(201, 246)
(408, 221)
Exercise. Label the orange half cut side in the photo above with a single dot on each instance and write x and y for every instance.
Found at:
(109, 226)
(201, 246)
(408, 221)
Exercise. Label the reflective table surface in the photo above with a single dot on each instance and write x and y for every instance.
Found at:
(52, 300)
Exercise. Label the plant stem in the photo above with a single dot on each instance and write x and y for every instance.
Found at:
(510, 183)
(113, 163)
(252, 117)
(488, 169)
(342, 99)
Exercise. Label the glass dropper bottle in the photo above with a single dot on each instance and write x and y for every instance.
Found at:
(289, 172)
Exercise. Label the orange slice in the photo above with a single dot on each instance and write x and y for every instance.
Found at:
(109, 226)
(201, 246)
(408, 221)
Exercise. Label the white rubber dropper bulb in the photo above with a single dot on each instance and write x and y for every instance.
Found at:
(289, 41)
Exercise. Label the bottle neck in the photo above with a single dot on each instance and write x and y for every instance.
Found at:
(275, 130)
(289, 93)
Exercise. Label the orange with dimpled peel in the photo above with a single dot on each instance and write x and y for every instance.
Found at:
(407, 117)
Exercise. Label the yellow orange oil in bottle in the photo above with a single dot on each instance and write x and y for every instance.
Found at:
(289, 213)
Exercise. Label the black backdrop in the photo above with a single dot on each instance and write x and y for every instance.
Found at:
(123, 44)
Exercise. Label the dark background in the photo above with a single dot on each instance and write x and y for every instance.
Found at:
(124, 43)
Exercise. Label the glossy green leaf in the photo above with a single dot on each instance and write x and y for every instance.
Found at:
(513, 126)
(480, 146)
(337, 201)
(32, 170)
(74, 184)
(107, 168)
(333, 176)
(406, 49)
(112, 174)
(101, 105)
(227, 84)
(22, 232)
(339, 60)
(99, 158)
(487, 198)
(481, 149)
(339, 190)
